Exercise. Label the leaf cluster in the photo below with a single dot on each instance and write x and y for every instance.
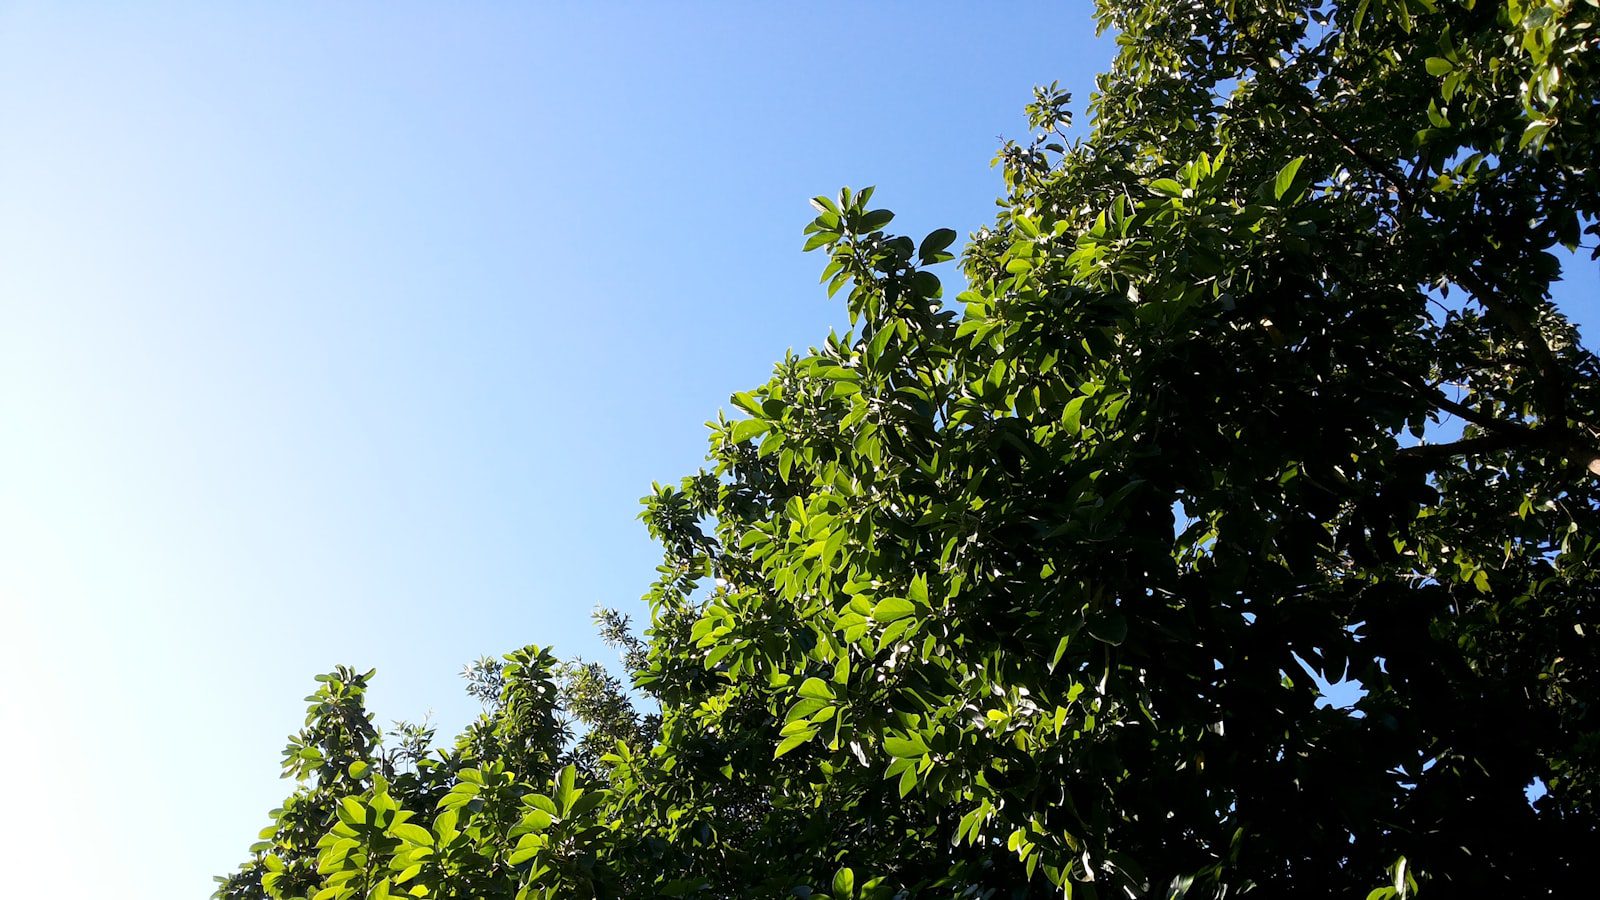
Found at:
(1255, 389)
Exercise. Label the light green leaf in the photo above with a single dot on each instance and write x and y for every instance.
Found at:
(746, 429)
(1072, 416)
(524, 853)
(414, 834)
(918, 591)
(820, 239)
(566, 786)
(892, 608)
(844, 884)
(1167, 186)
(1061, 650)
(816, 689)
(908, 747)
(793, 741)
(1285, 179)
(352, 811)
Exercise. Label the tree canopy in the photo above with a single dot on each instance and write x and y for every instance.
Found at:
(1255, 388)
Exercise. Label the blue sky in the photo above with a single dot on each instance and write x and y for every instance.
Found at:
(353, 334)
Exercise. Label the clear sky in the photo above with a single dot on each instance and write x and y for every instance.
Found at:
(354, 332)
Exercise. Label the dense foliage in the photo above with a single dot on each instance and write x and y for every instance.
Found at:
(1257, 387)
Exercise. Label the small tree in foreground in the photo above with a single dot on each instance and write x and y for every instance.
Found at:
(1256, 388)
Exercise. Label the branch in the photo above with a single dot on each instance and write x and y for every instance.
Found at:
(1464, 447)
(1396, 181)
(1487, 423)
(1431, 394)
(1551, 380)
(1559, 439)
(1552, 385)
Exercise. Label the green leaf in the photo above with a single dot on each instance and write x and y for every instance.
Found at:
(1285, 179)
(415, 834)
(566, 787)
(352, 811)
(523, 853)
(586, 801)
(793, 741)
(893, 608)
(1072, 417)
(933, 246)
(917, 592)
(1061, 650)
(747, 429)
(908, 780)
(1438, 66)
(1167, 186)
(875, 220)
(816, 689)
(1534, 133)
(844, 884)
(907, 747)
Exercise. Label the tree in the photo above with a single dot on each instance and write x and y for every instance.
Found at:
(1256, 388)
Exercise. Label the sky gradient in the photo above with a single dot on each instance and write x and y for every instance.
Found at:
(353, 334)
